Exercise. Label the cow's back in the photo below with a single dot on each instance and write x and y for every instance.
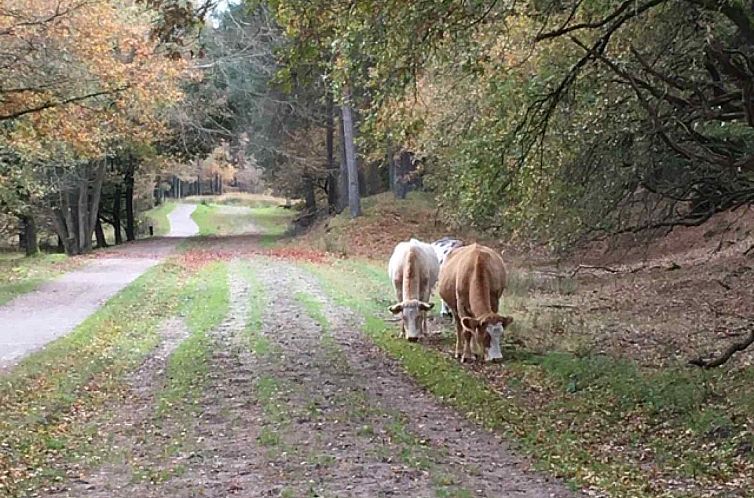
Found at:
(395, 265)
(412, 263)
(465, 270)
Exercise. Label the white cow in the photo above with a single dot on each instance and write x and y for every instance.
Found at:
(413, 269)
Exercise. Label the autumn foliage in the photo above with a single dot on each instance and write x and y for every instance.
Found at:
(82, 73)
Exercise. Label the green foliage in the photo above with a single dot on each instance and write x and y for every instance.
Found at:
(530, 136)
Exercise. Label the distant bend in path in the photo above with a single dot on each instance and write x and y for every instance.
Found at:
(181, 223)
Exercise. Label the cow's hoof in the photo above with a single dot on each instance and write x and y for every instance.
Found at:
(413, 339)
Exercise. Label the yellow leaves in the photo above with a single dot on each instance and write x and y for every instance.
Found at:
(73, 49)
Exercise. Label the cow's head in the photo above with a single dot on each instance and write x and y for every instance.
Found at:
(413, 317)
(487, 332)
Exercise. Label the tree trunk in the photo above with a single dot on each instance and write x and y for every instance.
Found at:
(198, 178)
(391, 167)
(343, 175)
(63, 220)
(116, 215)
(28, 235)
(92, 207)
(100, 234)
(159, 194)
(59, 219)
(82, 214)
(130, 223)
(310, 200)
(70, 237)
(354, 202)
(332, 171)
(401, 180)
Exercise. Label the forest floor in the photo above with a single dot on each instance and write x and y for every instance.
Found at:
(256, 365)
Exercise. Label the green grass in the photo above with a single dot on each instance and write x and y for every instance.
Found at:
(273, 221)
(49, 401)
(236, 199)
(204, 304)
(410, 449)
(19, 274)
(206, 218)
(314, 309)
(258, 342)
(158, 216)
(587, 418)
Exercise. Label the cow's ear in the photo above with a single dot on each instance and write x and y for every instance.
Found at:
(469, 323)
(507, 320)
(426, 306)
(396, 308)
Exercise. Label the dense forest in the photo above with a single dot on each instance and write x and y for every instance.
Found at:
(551, 121)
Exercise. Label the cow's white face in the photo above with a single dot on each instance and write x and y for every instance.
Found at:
(413, 318)
(488, 334)
(495, 333)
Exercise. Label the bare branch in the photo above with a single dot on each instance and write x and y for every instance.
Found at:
(51, 104)
(726, 355)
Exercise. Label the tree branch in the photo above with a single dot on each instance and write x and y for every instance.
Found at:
(51, 104)
(727, 354)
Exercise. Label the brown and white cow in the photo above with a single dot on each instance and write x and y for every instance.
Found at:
(413, 269)
(472, 281)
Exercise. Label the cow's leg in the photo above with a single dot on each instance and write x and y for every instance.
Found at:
(494, 301)
(467, 352)
(444, 309)
(459, 335)
(398, 285)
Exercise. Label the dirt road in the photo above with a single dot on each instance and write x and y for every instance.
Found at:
(298, 403)
(32, 320)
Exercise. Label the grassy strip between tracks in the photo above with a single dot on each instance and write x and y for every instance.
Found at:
(52, 403)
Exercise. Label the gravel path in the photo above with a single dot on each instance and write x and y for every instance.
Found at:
(53, 310)
(181, 223)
